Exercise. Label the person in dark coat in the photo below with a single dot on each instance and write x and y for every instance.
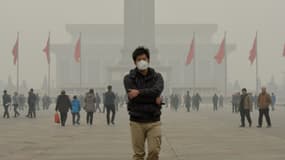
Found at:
(6, 99)
(215, 102)
(63, 104)
(109, 102)
(32, 104)
(245, 108)
(196, 101)
(187, 101)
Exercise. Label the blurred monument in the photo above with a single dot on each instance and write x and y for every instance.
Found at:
(106, 52)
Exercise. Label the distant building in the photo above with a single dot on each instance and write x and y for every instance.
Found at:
(106, 53)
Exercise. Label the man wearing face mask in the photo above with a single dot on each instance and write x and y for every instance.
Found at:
(144, 87)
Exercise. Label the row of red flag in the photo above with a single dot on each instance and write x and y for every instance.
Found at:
(77, 52)
(221, 52)
(46, 50)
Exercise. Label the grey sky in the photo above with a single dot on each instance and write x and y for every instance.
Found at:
(34, 18)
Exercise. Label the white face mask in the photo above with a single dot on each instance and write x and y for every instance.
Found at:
(142, 65)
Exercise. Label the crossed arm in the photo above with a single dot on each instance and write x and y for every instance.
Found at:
(146, 95)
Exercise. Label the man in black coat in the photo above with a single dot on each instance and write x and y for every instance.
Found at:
(144, 87)
(109, 103)
(6, 99)
(215, 101)
(187, 101)
(32, 104)
(63, 104)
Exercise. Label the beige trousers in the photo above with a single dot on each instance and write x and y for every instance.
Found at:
(142, 132)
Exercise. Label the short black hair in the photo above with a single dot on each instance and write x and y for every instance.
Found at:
(74, 97)
(63, 92)
(140, 51)
(244, 89)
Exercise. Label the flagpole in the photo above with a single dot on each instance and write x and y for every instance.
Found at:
(226, 67)
(49, 59)
(48, 79)
(80, 85)
(18, 57)
(256, 65)
(194, 66)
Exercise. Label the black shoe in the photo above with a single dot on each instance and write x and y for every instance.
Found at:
(241, 126)
(259, 126)
(269, 126)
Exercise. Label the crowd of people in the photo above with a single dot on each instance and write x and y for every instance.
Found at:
(110, 103)
(20, 103)
(90, 102)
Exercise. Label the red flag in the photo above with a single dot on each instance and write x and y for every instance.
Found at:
(253, 51)
(191, 52)
(77, 52)
(284, 51)
(221, 53)
(15, 50)
(47, 50)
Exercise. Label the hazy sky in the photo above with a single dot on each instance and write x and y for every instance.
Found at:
(34, 18)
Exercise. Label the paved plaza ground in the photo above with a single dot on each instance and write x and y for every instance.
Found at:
(199, 136)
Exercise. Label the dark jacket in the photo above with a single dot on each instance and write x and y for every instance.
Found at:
(63, 103)
(32, 99)
(6, 99)
(245, 102)
(143, 108)
(110, 98)
(215, 99)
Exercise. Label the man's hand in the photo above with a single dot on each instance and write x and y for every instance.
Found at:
(158, 100)
(133, 93)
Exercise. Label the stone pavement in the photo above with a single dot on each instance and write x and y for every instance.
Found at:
(199, 136)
